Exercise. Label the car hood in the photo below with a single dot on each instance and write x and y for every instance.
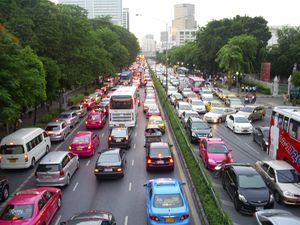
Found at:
(218, 157)
(198, 108)
(212, 115)
(256, 195)
(292, 187)
(246, 114)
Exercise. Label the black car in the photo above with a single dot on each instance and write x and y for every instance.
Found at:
(110, 164)
(260, 136)
(4, 189)
(119, 137)
(159, 156)
(95, 217)
(197, 128)
(246, 188)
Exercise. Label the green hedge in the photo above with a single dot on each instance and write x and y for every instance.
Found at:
(74, 100)
(262, 88)
(214, 215)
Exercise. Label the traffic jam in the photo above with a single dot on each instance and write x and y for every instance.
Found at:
(254, 189)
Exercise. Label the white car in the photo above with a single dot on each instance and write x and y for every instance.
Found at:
(206, 98)
(187, 114)
(239, 124)
(198, 105)
(171, 90)
(186, 92)
(181, 107)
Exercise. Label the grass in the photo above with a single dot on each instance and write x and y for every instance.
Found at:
(210, 202)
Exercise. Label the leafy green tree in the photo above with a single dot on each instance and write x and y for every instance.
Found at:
(296, 78)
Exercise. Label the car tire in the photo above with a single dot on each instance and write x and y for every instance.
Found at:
(33, 163)
(59, 202)
(226, 124)
(277, 197)
(47, 150)
(220, 120)
(78, 165)
(236, 203)
(253, 138)
(262, 147)
(68, 180)
(223, 183)
(5, 193)
(233, 129)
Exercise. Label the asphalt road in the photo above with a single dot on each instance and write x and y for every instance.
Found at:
(124, 197)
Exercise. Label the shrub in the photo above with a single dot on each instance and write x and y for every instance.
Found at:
(46, 118)
(262, 88)
(74, 100)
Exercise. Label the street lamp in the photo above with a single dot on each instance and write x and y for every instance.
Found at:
(237, 83)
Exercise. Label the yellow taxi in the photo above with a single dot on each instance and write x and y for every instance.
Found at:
(157, 120)
(213, 104)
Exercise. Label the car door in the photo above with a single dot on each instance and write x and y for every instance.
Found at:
(203, 149)
(50, 204)
(271, 182)
(232, 183)
(259, 136)
(73, 162)
(149, 193)
(66, 166)
(188, 128)
(123, 160)
(230, 121)
(44, 215)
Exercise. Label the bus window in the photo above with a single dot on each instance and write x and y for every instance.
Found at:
(121, 102)
(285, 123)
(294, 129)
(280, 120)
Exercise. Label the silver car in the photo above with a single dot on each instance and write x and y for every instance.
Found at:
(79, 109)
(57, 131)
(282, 179)
(56, 169)
(276, 216)
(70, 117)
(218, 115)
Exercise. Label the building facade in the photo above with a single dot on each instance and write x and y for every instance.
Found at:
(95, 8)
(125, 18)
(183, 36)
(148, 45)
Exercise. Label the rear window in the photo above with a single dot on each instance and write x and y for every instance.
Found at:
(64, 116)
(52, 128)
(81, 139)
(48, 168)
(217, 149)
(75, 108)
(94, 117)
(121, 102)
(119, 132)
(12, 149)
(109, 158)
(17, 212)
(157, 152)
(167, 201)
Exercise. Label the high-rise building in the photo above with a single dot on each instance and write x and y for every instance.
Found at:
(95, 8)
(148, 45)
(125, 18)
(184, 18)
(183, 36)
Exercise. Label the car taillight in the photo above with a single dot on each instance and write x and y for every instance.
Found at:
(26, 157)
(86, 122)
(149, 161)
(70, 148)
(153, 218)
(104, 110)
(126, 138)
(109, 138)
(171, 160)
(89, 147)
(97, 170)
(1, 157)
(61, 173)
(185, 216)
(119, 169)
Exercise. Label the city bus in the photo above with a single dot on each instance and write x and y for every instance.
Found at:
(126, 78)
(123, 106)
(196, 83)
(284, 135)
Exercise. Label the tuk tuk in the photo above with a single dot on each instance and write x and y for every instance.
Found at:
(152, 134)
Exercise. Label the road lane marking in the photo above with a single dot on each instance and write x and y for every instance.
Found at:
(134, 146)
(251, 147)
(75, 186)
(238, 138)
(135, 134)
(102, 135)
(88, 162)
(129, 188)
(126, 220)
(132, 162)
(58, 219)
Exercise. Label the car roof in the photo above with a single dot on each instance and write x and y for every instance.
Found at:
(196, 119)
(238, 115)
(215, 141)
(165, 185)
(158, 144)
(285, 219)
(93, 217)
(53, 157)
(111, 151)
(279, 164)
(243, 169)
(58, 123)
(28, 196)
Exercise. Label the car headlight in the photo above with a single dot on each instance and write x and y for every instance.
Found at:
(267, 143)
(194, 134)
(288, 193)
(212, 161)
(237, 126)
(242, 198)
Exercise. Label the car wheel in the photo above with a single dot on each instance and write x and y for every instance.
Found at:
(220, 120)
(233, 129)
(226, 124)
(33, 162)
(47, 150)
(59, 202)
(223, 183)
(68, 180)
(78, 165)
(237, 204)
(253, 138)
(5, 193)
(277, 197)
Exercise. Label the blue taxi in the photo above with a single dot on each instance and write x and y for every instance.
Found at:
(166, 202)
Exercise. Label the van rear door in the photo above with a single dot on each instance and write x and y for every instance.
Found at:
(13, 155)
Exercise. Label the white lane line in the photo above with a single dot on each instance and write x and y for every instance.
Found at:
(251, 147)
(58, 219)
(135, 134)
(102, 135)
(129, 188)
(134, 146)
(132, 162)
(238, 138)
(88, 162)
(126, 220)
(75, 186)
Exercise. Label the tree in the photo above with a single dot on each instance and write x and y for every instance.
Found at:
(296, 78)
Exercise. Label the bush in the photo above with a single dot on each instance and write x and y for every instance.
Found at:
(46, 118)
(74, 100)
(261, 88)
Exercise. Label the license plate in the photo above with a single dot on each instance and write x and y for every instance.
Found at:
(46, 177)
(160, 162)
(259, 208)
(118, 139)
(169, 220)
(93, 122)
(12, 160)
(79, 148)
(108, 170)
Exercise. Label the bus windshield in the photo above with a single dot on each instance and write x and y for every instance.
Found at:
(121, 102)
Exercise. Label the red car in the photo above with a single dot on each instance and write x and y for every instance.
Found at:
(32, 206)
(153, 111)
(214, 151)
(95, 119)
(88, 102)
(85, 143)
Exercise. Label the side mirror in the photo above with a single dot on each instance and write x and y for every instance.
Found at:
(183, 183)
(272, 179)
(145, 185)
(171, 145)
(230, 150)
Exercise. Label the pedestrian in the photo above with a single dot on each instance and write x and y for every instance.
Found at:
(246, 88)
(243, 87)
(253, 98)
(250, 89)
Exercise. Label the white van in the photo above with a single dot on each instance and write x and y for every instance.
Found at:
(23, 148)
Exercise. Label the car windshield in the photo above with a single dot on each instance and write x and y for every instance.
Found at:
(64, 116)
(109, 158)
(288, 176)
(246, 109)
(197, 103)
(251, 181)
(48, 168)
(118, 132)
(184, 107)
(207, 98)
(150, 101)
(159, 152)
(241, 120)
(155, 120)
(17, 212)
(53, 128)
(235, 102)
(216, 104)
(265, 132)
(94, 117)
(153, 109)
(200, 125)
(12, 149)
(167, 201)
(217, 148)
(191, 114)
(81, 139)
(217, 111)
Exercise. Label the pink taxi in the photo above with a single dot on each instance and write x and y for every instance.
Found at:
(85, 143)
(32, 206)
(153, 111)
(214, 151)
(95, 119)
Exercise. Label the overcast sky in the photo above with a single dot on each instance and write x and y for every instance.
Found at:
(157, 14)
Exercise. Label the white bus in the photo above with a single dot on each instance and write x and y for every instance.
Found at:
(23, 148)
(123, 106)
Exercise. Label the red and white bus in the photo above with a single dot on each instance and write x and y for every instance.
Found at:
(196, 83)
(284, 135)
